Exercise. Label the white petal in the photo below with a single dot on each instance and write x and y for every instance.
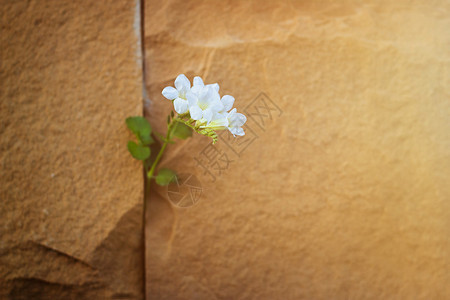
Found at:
(181, 105)
(231, 115)
(215, 86)
(211, 99)
(191, 98)
(198, 85)
(208, 114)
(182, 83)
(240, 131)
(232, 130)
(203, 93)
(170, 92)
(237, 131)
(198, 81)
(240, 119)
(196, 112)
(228, 102)
(216, 106)
(213, 95)
(236, 119)
(219, 115)
(205, 97)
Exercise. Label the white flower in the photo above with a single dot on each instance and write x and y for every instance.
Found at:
(205, 106)
(198, 85)
(227, 100)
(178, 94)
(235, 122)
(219, 120)
(204, 103)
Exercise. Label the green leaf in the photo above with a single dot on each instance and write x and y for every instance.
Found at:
(139, 152)
(138, 125)
(146, 140)
(182, 131)
(141, 128)
(165, 176)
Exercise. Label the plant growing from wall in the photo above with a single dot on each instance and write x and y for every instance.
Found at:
(197, 108)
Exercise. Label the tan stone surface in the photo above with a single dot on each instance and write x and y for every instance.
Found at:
(71, 197)
(346, 194)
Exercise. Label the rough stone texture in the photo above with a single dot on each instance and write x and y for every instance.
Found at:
(71, 197)
(343, 196)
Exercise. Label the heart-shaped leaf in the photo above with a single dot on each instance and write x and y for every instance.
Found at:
(141, 128)
(140, 152)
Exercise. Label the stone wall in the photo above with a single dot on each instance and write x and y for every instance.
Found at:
(342, 191)
(339, 189)
(71, 197)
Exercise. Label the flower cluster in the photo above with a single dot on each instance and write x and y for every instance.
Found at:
(200, 107)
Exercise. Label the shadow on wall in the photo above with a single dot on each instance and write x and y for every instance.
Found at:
(56, 275)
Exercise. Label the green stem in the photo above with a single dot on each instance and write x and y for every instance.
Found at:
(170, 127)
